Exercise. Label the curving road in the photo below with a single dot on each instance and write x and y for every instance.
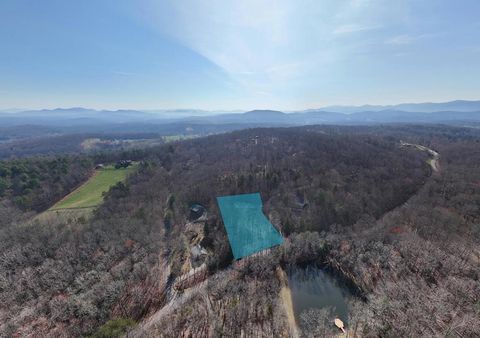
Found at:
(434, 161)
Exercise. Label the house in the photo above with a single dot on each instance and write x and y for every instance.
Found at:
(123, 164)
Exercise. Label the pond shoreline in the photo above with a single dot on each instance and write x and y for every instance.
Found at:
(315, 287)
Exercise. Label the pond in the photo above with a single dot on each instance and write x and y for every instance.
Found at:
(316, 288)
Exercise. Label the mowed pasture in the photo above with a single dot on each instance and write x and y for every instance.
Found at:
(90, 194)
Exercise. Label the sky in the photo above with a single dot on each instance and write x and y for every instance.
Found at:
(226, 55)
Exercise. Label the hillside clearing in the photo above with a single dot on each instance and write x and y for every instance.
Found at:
(90, 194)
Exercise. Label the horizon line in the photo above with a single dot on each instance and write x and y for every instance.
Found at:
(18, 110)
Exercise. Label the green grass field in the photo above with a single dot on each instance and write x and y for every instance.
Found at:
(90, 194)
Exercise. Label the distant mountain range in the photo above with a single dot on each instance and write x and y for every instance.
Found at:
(454, 112)
(458, 106)
(328, 117)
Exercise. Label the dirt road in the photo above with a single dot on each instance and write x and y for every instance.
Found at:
(434, 161)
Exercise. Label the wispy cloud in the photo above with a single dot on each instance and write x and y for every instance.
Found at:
(296, 46)
(406, 39)
(401, 40)
(257, 43)
(353, 28)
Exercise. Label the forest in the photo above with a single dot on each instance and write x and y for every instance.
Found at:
(35, 184)
(349, 199)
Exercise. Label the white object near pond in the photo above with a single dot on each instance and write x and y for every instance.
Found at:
(339, 324)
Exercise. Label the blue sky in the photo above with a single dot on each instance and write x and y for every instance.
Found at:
(219, 54)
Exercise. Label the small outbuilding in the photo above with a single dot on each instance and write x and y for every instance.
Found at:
(196, 211)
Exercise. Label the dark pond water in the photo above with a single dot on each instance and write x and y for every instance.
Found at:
(313, 287)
